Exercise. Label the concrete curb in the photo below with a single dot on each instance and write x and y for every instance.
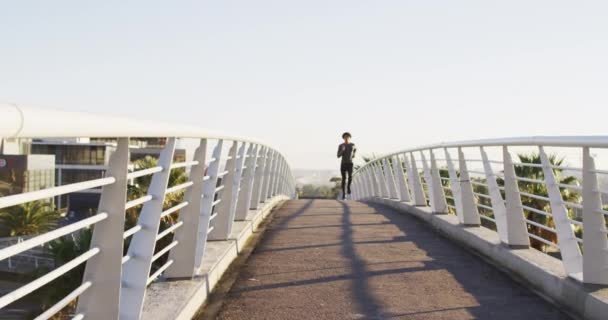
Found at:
(539, 271)
(182, 299)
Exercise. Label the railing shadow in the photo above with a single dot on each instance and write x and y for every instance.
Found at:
(447, 281)
(367, 303)
(496, 295)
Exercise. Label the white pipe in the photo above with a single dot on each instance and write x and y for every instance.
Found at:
(18, 121)
(548, 141)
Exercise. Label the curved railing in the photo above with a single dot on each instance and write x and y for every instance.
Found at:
(221, 187)
(549, 198)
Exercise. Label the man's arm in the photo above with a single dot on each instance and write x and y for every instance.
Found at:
(340, 150)
(354, 151)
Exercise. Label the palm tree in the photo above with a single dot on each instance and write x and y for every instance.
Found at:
(64, 250)
(535, 173)
(541, 190)
(30, 218)
(138, 190)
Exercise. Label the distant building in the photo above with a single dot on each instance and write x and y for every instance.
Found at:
(25, 173)
(76, 160)
(83, 159)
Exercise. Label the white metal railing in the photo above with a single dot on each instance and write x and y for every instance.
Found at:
(114, 284)
(494, 189)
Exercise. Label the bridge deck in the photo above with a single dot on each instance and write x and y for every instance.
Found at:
(323, 259)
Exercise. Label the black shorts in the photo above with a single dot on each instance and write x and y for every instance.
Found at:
(346, 167)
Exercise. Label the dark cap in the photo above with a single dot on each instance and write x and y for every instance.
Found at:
(346, 134)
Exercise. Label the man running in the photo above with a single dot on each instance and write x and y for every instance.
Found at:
(347, 151)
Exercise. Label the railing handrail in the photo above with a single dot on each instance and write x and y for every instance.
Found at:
(547, 141)
(19, 121)
(114, 284)
(398, 176)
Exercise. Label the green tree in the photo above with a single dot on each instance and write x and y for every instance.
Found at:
(140, 189)
(64, 250)
(30, 218)
(538, 189)
(535, 173)
(319, 192)
(336, 190)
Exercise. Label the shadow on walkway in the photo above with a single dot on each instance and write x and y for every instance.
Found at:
(378, 264)
(364, 298)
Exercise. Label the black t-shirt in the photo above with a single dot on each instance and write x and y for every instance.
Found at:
(347, 152)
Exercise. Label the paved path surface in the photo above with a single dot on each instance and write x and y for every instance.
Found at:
(324, 259)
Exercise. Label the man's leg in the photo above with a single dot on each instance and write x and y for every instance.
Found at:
(350, 176)
(343, 172)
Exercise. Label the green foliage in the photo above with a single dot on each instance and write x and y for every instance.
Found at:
(67, 248)
(64, 250)
(541, 190)
(318, 192)
(30, 218)
(530, 172)
(140, 189)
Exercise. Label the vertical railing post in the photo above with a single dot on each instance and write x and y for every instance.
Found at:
(571, 253)
(237, 182)
(371, 173)
(382, 180)
(280, 176)
(222, 223)
(441, 205)
(498, 203)
(209, 187)
(470, 211)
(258, 184)
(273, 175)
(246, 193)
(370, 182)
(364, 183)
(184, 254)
(517, 230)
(141, 250)
(595, 256)
(283, 178)
(277, 176)
(101, 301)
(414, 180)
(428, 180)
(268, 175)
(283, 174)
(404, 192)
(390, 177)
(454, 186)
(376, 180)
(286, 174)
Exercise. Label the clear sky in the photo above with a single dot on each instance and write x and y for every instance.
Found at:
(296, 74)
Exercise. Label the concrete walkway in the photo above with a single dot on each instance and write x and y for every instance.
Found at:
(324, 259)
